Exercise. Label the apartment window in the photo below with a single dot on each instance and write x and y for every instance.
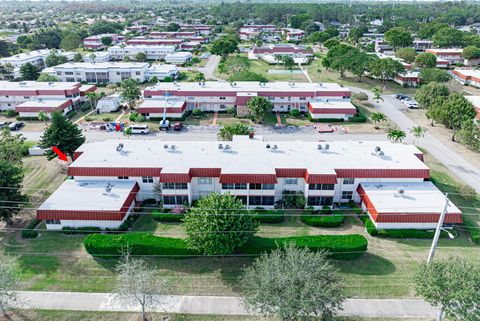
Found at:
(268, 186)
(319, 201)
(222, 98)
(137, 73)
(90, 77)
(347, 195)
(291, 181)
(102, 77)
(147, 179)
(181, 186)
(261, 200)
(204, 181)
(52, 222)
(124, 75)
(303, 98)
(321, 187)
(168, 185)
(243, 199)
(175, 200)
(255, 186)
(122, 177)
(70, 79)
(69, 73)
(234, 186)
(348, 181)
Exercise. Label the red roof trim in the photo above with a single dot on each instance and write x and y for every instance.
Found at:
(248, 178)
(383, 173)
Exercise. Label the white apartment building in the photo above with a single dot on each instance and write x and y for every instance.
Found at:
(13, 94)
(153, 52)
(162, 71)
(178, 58)
(100, 56)
(95, 42)
(36, 58)
(106, 72)
(110, 177)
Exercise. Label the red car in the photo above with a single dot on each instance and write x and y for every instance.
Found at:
(177, 126)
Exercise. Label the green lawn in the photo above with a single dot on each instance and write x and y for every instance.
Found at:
(52, 315)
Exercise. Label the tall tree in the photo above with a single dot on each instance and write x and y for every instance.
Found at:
(456, 110)
(140, 57)
(259, 107)
(218, 224)
(137, 283)
(417, 132)
(29, 72)
(448, 37)
(11, 176)
(54, 59)
(9, 283)
(430, 93)
(428, 75)
(293, 284)
(398, 37)
(78, 57)
(71, 41)
(385, 69)
(47, 78)
(339, 58)
(11, 147)
(106, 41)
(471, 52)
(407, 54)
(63, 134)
(470, 135)
(452, 287)
(224, 46)
(426, 60)
(130, 92)
(377, 118)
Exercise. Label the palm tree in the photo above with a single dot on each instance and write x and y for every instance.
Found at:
(128, 132)
(42, 116)
(417, 132)
(92, 98)
(122, 46)
(378, 118)
(377, 94)
(396, 135)
(92, 57)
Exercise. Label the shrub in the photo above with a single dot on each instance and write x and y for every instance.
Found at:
(361, 96)
(341, 247)
(10, 113)
(358, 118)
(29, 231)
(323, 220)
(197, 113)
(269, 216)
(369, 227)
(467, 192)
(165, 215)
(80, 230)
(149, 201)
(88, 118)
(295, 113)
(133, 116)
(107, 118)
(231, 110)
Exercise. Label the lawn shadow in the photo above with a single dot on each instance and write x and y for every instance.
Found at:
(368, 264)
(39, 264)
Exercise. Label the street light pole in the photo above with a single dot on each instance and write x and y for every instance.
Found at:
(435, 242)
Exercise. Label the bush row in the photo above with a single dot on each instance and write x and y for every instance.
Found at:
(29, 231)
(164, 215)
(398, 233)
(341, 247)
(80, 230)
(333, 220)
(269, 216)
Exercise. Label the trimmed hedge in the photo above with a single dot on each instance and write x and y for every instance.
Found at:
(164, 215)
(80, 230)
(399, 233)
(269, 216)
(341, 247)
(333, 220)
(29, 231)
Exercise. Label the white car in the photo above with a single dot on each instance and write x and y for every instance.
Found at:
(412, 104)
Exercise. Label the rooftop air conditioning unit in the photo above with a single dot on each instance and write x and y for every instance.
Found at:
(327, 146)
(165, 146)
(220, 146)
(120, 147)
(319, 147)
(268, 146)
(274, 148)
(108, 188)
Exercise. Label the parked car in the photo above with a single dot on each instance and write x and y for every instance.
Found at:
(400, 96)
(16, 126)
(4, 123)
(178, 126)
(139, 129)
(164, 124)
(412, 104)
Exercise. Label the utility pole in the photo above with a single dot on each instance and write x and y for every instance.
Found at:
(435, 242)
(438, 230)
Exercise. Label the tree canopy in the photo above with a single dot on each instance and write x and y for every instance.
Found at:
(71, 41)
(229, 130)
(426, 60)
(63, 134)
(54, 59)
(29, 72)
(292, 284)
(129, 91)
(407, 54)
(398, 37)
(259, 107)
(385, 69)
(448, 37)
(218, 224)
(471, 52)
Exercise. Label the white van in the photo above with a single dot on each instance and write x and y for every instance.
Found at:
(139, 129)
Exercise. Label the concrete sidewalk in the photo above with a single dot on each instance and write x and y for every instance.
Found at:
(75, 301)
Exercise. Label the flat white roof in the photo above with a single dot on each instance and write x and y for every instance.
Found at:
(249, 86)
(160, 103)
(468, 72)
(71, 196)
(445, 50)
(332, 104)
(102, 65)
(418, 197)
(37, 85)
(27, 55)
(179, 54)
(144, 47)
(44, 103)
(475, 100)
(164, 68)
(249, 156)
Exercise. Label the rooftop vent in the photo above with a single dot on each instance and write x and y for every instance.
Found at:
(108, 188)
(274, 147)
(120, 147)
(226, 148)
(165, 146)
(220, 146)
(400, 192)
(319, 147)
(327, 146)
(173, 148)
(268, 146)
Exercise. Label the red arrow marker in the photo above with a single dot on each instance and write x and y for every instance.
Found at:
(61, 155)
